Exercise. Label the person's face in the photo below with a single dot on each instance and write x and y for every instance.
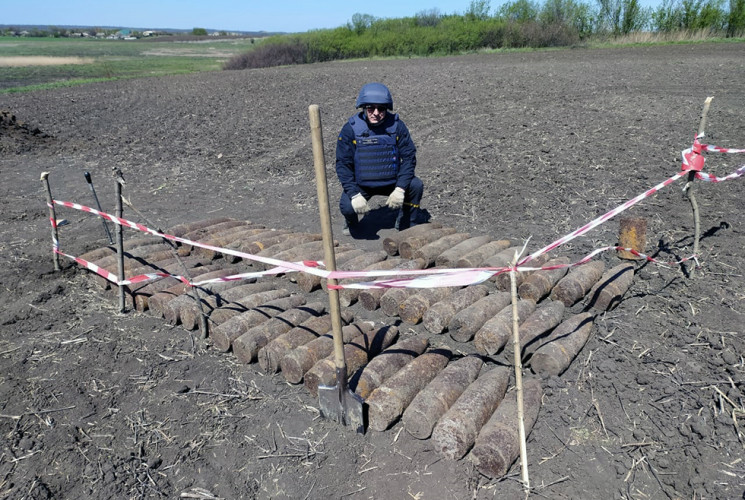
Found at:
(375, 113)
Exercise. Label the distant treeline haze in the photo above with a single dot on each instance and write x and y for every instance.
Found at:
(521, 23)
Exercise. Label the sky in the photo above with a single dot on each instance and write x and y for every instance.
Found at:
(228, 15)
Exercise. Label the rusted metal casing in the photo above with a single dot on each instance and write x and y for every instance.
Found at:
(567, 339)
(498, 443)
(439, 315)
(182, 229)
(414, 307)
(456, 431)
(578, 282)
(308, 282)
(545, 318)
(450, 256)
(409, 245)
(388, 362)
(429, 252)
(503, 280)
(467, 322)
(348, 296)
(438, 396)
(243, 304)
(390, 244)
(539, 283)
(608, 292)
(632, 234)
(190, 314)
(157, 302)
(388, 402)
(477, 256)
(495, 333)
(392, 299)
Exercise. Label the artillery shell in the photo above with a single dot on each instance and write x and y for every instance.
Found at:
(388, 402)
(390, 244)
(608, 292)
(224, 238)
(356, 353)
(370, 298)
(289, 244)
(181, 229)
(457, 429)
(297, 362)
(431, 251)
(434, 400)
(477, 256)
(190, 314)
(157, 302)
(141, 294)
(449, 257)
(308, 250)
(309, 282)
(246, 347)
(272, 353)
(438, 316)
(266, 240)
(241, 244)
(204, 233)
(414, 307)
(467, 322)
(388, 362)
(545, 318)
(239, 306)
(498, 443)
(172, 312)
(539, 284)
(567, 339)
(408, 246)
(574, 286)
(495, 333)
(393, 298)
(224, 334)
(348, 296)
(358, 263)
(503, 280)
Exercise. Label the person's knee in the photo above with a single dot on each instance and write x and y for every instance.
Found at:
(416, 188)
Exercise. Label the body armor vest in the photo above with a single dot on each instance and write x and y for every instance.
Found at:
(376, 160)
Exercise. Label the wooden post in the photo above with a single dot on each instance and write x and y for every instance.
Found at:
(52, 218)
(519, 375)
(689, 185)
(120, 239)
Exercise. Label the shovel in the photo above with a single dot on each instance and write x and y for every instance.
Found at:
(335, 402)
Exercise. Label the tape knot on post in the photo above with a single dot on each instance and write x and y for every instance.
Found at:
(693, 160)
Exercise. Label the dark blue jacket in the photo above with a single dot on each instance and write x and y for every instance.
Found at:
(346, 148)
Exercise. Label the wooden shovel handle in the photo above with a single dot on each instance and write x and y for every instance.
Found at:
(328, 238)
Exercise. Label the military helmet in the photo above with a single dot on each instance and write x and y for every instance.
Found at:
(374, 93)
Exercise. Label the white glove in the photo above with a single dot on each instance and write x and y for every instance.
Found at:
(359, 203)
(396, 199)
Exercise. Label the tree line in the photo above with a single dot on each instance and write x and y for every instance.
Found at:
(515, 24)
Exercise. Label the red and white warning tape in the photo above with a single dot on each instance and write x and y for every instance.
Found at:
(422, 278)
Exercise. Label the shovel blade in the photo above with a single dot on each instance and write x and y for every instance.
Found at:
(342, 405)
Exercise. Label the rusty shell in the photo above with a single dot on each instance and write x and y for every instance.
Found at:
(495, 333)
(191, 313)
(439, 395)
(503, 281)
(300, 250)
(438, 316)
(241, 244)
(477, 256)
(467, 322)
(239, 306)
(349, 296)
(309, 282)
(449, 257)
(457, 429)
(387, 363)
(608, 292)
(246, 347)
(141, 294)
(175, 308)
(204, 233)
(262, 241)
(358, 263)
(288, 244)
(537, 326)
(632, 233)
(414, 307)
(297, 362)
(356, 353)
(555, 356)
(181, 229)
(388, 402)
(498, 444)
(391, 243)
(539, 283)
(429, 252)
(578, 282)
(272, 353)
(370, 298)
(224, 239)
(392, 299)
(157, 302)
(408, 246)
(224, 334)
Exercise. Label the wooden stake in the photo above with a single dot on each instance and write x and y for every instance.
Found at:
(519, 375)
(120, 239)
(52, 218)
(689, 185)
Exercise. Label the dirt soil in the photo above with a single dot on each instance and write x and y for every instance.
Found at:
(98, 404)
